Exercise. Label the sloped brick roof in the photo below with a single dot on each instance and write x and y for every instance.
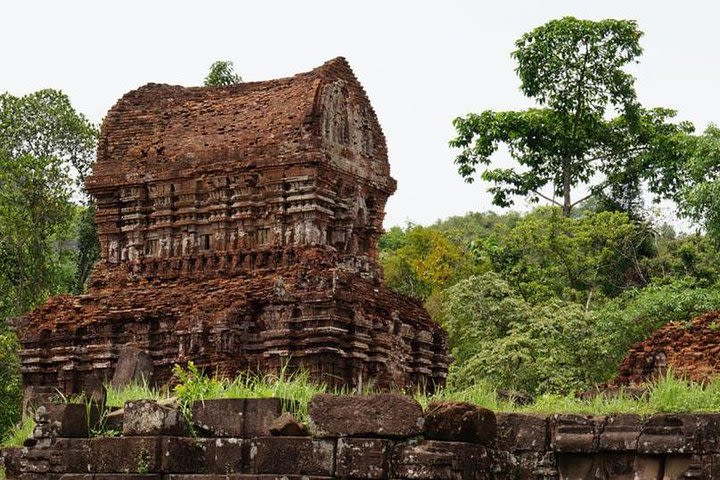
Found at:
(160, 127)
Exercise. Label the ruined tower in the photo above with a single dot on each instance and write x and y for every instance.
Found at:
(238, 229)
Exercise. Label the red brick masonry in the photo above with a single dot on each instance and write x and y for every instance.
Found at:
(239, 230)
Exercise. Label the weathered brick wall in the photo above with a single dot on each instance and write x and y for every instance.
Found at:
(689, 349)
(238, 229)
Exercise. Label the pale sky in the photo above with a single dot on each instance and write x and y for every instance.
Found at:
(422, 63)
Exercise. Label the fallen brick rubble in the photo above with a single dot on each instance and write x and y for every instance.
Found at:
(690, 349)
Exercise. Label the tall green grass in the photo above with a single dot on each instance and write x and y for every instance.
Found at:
(668, 394)
(135, 391)
(17, 435)
(296, 388)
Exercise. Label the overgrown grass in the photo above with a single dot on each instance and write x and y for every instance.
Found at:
(669, 394)
(17, 435)
(296, 388)
(142, 390)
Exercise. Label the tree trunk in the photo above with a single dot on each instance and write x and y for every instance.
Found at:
(567, 179)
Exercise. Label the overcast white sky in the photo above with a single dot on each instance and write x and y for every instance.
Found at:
(422, 63)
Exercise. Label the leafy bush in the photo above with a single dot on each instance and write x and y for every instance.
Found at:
(498, 337)
(10, 381)
(420, 260)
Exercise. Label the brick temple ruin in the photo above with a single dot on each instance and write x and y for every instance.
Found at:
(238, 229)
(688, 348)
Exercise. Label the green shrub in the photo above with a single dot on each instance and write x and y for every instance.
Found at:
(498, 337)
(10, 382)
(19, 433)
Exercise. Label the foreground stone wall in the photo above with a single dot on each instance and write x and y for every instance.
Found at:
(620, 447)
(378, 437)
(365, 437)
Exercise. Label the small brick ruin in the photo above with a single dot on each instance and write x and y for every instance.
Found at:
(690, 349)
(363, 437)
(239, 230)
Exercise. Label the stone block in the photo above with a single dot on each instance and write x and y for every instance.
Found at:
(460, 422)
(149, 418)
(709, 466)
(237, 417)
(238, 476)
(10, 460)
(708, 433)
(222, 455)
(621, 433)
(133, 366)
(142, 455)
(125, 455)
(435, 460)
(522, 432)
(578, 466)
(290, 456)
(363, 458)
(616, 466)
(575, 433)
(67, 420)
(368, 416)
(110, 476)
(665, 433)
(525, 465)
(677, 467)
(70, 455)
(180, 455)
(286, 425)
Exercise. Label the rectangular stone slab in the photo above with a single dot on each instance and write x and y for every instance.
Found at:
(290, 456)
(237, 417)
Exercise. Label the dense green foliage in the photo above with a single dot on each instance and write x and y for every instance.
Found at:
(47, 241)
(546, 303)
(699, 193)
(46, 149)
(574, 70)
(222, 73)
(10, 385)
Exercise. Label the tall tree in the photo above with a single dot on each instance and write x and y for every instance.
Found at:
(698, 189)
(574, 69)
(46, 149)
(222, 73)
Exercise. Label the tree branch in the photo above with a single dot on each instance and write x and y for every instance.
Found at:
(572, 205)
(551, 200)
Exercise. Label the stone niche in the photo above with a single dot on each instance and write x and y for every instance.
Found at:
(238, 229)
